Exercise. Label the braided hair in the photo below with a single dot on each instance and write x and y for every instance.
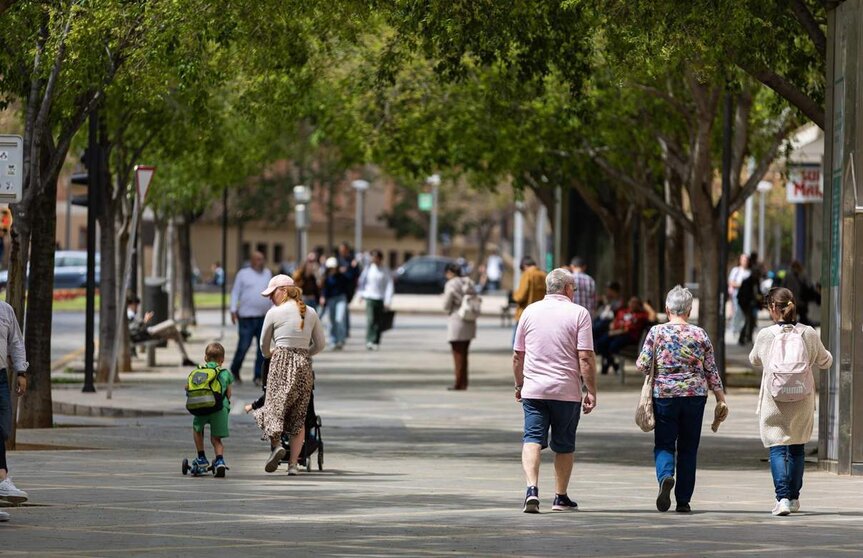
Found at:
(782, 300)
(296, 294)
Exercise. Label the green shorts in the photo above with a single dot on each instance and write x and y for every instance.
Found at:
(218, 422)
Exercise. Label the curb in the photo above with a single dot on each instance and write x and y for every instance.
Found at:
(78, 410)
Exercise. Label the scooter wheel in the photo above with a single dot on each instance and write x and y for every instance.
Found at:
(186, 466)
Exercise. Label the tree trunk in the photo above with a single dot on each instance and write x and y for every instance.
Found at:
(186, 275)
(109, 286)
(675, 240)
(708, 282)
(331, 211)
(37, 411)
(651, 229)
(621, 238)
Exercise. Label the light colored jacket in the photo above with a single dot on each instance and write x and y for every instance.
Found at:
(787, 423)
(453, 293)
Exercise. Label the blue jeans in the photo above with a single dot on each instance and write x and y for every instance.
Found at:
(787, 464)
(5, 416)
(337, 310)
(250, 328)
(678, 431)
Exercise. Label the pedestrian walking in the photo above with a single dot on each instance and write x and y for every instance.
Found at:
(459, 295)
(685, 371)
(334, 301)
(349, 265)
(376, 288)
(585, 286)
(11, 349)
(493, 271)
(789, 353)
(247, 312)
(208, 393)
(307, 279)
(749, 301)
(291, 335)
(736, 277)
(552, 359)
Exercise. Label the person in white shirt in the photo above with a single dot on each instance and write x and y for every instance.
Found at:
(11, 350)
(493, 271)
(738, 274)
(247, 312)
(376, 288)
(291, 335)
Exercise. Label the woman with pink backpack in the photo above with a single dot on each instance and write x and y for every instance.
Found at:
(789, 354)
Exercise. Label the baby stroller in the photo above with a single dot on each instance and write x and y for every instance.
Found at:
(312, 443)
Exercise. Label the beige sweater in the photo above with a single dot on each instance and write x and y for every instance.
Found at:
(784, 424)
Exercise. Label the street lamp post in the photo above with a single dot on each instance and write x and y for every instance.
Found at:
(434, 182)
(302, 196)
(763, 187)
(360, 186)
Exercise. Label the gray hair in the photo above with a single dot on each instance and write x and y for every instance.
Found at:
(557, 280)
(679, 301)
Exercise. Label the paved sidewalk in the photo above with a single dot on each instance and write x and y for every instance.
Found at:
(410, 469)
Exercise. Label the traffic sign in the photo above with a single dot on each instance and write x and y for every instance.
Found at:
(425, 201)
(143, 176)
(11, 168)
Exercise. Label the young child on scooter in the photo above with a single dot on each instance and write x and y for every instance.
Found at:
(218, 420)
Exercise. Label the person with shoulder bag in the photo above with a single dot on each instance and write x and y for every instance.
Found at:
(789, 353)
(680, 358)
(462, 303)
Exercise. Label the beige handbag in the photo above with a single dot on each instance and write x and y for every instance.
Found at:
(644, 416)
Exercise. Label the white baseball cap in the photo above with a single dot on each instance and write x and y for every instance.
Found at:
(276, 282)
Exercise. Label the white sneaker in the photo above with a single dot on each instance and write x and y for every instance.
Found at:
(782, 507)
(11, 493)
(293, 470)
(795, 506)
(4, 516)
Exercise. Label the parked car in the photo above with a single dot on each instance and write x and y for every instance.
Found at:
(422, 275)
(70, 270)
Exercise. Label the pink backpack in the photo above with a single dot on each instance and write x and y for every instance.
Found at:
(789, 375)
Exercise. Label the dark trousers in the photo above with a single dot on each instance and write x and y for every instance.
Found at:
(609, 345)
(250, 329)
(786, 465)
(678, 432)
(374, 320)
(459, 357)
(751, 316)
(5, 417)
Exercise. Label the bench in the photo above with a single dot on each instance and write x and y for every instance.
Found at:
(630, 352)
(507, 311)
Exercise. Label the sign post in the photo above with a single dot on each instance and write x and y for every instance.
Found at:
(11, 168)
(143, 177)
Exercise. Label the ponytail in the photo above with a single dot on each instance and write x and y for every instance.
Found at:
(295, 294)
(782, 300)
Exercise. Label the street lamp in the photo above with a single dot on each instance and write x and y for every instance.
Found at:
(763, 187)
(360, 186)
(434, 182)
(302, 196)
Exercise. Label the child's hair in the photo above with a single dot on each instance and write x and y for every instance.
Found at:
(782, 300)
(214, 352)
(296, 295)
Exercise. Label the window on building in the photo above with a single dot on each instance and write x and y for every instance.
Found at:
(393, 259)
(278, 253)
(246, 252)
(408, 256)
(262, 248)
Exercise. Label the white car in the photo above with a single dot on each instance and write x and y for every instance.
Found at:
(70, 270)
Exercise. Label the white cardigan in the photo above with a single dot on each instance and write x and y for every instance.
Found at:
(785, 424)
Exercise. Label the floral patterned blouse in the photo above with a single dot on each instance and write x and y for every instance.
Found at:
(685, 365)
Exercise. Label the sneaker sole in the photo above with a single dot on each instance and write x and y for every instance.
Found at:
(14, 499)
(564, 508)
(781, 513)
(531, 506)
(663, 501)
(220, 472)
(275, 459)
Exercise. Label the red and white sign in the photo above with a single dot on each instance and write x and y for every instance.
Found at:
(804, 184)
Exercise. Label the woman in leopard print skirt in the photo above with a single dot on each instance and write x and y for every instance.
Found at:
(292, 334)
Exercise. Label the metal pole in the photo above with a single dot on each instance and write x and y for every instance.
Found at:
(541, 240)
(723, 233)
(224, 262)
(800, 232)
(358, 221)
(121, 308)
(94, 170)
(433, 221)
(747, 227)
(69, 216)
(761, 225)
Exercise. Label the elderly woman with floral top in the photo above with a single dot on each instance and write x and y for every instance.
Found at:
(685, 373)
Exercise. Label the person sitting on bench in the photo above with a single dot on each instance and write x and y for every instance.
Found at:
(140, 332)
(629, 322)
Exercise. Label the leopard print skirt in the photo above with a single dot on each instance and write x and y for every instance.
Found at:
(289, 387)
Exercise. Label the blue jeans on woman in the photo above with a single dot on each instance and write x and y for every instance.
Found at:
(677, 433)
(786, 465)
(337, 310)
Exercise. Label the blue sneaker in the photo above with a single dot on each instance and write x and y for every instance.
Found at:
(562, 503)
(531, 500)
(219, 467)
(201, 462)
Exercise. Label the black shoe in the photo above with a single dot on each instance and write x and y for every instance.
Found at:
(663, 500)
(683, 508)
(531, 500)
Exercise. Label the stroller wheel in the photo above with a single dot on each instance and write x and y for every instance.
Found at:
(318, 420)
(321, 456)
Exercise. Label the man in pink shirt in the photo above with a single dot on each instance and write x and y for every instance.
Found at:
(553, 355)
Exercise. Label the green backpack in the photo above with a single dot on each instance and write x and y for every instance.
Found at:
(204, 391)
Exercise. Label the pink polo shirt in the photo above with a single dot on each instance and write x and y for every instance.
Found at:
(551, 332)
